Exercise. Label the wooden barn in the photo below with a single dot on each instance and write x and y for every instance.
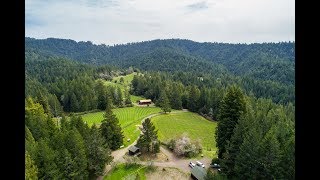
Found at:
(145, 101)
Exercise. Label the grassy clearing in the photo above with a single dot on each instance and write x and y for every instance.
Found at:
(126, 85)
(116, 82)
(129, 172)
(197, 127)
(127, 79)
(129, 118)
(168, 173)
(116, 85)
(136, 98)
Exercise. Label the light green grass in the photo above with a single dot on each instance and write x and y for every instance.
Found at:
(129, 118)
(134, 98)
(126, 85)
(196, 127)
(116, 85)
(121, 172)
(127, 79)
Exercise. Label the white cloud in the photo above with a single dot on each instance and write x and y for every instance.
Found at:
(121, 21)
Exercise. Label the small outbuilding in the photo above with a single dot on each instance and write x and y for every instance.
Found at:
(144, 101)
(198, 173)
(133, 150)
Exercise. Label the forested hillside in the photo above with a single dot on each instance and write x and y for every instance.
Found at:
(267, 61)
(266, 70)
(247, 89)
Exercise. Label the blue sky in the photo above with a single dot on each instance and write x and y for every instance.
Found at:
(121, 21)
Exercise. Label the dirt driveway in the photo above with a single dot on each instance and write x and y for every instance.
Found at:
(177, 162)
(173, 161)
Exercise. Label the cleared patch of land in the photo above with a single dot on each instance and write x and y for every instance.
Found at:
(129, 118)
(122, 171)
(142, 172)
(124, 85)
(166, 173)
(127, 79)
(196, 127)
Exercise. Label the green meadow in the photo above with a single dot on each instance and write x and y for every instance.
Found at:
(129, 118)
(195, 126)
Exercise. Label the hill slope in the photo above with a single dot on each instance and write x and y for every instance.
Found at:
(267, 61)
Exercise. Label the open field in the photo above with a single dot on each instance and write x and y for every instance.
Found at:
(127, 79)
(123, 172)
(197, 127)
(129, 118)
(126, 85)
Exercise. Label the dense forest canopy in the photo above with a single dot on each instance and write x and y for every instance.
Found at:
(266, 61)
(247, 88)
(266, 69)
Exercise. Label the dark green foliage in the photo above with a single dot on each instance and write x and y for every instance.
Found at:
(110, 128)
(78, 123)
(232, 107)
(45, 161)
(215, 176)
(127, 97)
(55, 106)
(175, 98)
(74, 143)
(262, 146)
(193, 101)
(101, 95)
(118, 97)
(148, 140)
(264, 61)
(43, 100)
(98, 152)
(265, 69)
(258, 144)
(163, 102)
(69, 150)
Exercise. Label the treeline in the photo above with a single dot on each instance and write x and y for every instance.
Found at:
(62, 85)
(255, 137)
(201, 94)
(68, 148)
(266, 61)
(266, 70)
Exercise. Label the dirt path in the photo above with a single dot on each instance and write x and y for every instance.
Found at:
(177, 162)
(157, 114)
(118, 154)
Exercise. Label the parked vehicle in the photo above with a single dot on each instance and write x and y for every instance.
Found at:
(200, 164)
(215, 165)
(191, 164)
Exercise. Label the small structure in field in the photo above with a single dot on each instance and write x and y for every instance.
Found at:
(198, 173)
(145, 102)
(134, 150)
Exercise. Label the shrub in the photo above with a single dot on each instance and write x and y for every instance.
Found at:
(171, 144)
(150, 167)
(183, 146)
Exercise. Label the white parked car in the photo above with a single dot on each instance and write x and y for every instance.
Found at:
(200, 164)
(191, 164)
